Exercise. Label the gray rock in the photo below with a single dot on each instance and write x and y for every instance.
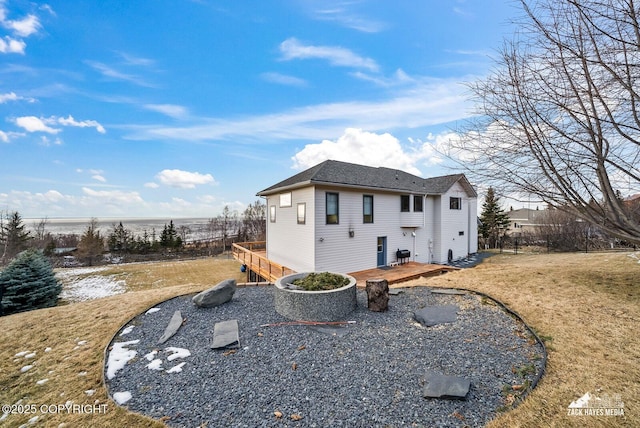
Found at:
(433, 315)
(225, 335)
(216, 296)
(174, 324)
(440, 386)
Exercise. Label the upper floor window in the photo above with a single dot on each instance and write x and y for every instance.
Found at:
(367, 208)
(417, 203)
(332, 208)
(302, 213)
(455, 203)
(404, 203)
(272, 213)
(285, 199)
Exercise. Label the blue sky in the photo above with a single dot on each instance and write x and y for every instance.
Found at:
(178, 108)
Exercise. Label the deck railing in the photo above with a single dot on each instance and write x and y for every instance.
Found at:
(251, 255)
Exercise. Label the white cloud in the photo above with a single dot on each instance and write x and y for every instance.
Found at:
(45, 141)
(113, 196)
(171, 110)
(10, 45)
(347, 19)
(358, 146)
(112, 73)
(183, 179)
(4, 137)
(426, 102)
(24, 27)
(292, 48)
(100, 178)
(34, 124)
(151, 185)
(283, 79)
(11, 96)
(70, 121)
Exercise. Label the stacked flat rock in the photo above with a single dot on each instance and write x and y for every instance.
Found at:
(216, 296)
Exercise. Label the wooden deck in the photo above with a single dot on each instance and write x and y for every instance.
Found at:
(254, 256)
(400, 273)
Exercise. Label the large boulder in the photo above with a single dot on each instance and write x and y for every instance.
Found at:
(216, 296)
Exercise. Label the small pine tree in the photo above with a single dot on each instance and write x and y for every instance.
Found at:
(28, 283)
(494, 221)
(13, 237)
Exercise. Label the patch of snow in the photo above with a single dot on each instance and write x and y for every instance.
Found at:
(82, 342)
(4, 416)
(581, 402)
(151, 311)
(155, 365)
(32, 421)
(22, 354)
(177, 368)
(177, 353)
(119, 356)
(127, 330)
(65, 274)
(26, 368)
(92, 287)
(122, 397)
(82, 374)
(634, 256)
(31, 355)
(42, 381)
(151, 355)
(90, 392)
(47, 349)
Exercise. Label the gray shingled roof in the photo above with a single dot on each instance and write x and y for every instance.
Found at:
(338, 173)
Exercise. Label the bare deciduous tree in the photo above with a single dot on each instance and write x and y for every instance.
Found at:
(559, 117)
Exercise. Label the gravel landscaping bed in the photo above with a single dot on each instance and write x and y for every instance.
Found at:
(366, 374)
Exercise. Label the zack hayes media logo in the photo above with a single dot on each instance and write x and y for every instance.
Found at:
(591, 405)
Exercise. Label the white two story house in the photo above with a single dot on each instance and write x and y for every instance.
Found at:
(343, 217)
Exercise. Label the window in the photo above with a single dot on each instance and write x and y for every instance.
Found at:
(332, 208)
(417, 203)
(302, 213)
(367, 208)
(272, 213)
(285, 199)
(455, 203)
(404, 203)
(461, 233)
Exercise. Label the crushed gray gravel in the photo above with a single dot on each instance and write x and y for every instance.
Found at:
(366, 374)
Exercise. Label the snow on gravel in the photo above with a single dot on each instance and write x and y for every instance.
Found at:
(79, 288)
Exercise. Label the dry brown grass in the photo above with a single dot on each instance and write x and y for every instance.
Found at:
(72, 369)
(586, 305)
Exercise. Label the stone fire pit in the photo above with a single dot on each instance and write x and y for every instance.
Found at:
(324, 305)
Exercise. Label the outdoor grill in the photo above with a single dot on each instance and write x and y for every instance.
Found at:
(403, 256)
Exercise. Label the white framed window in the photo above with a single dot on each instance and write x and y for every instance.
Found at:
(455, 203)
(302, 213)
(285, 199)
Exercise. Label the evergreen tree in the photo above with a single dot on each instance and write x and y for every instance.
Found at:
(91, 243)
(13, 237)
(169, 237)
(120, 240)
(495, 222)
(27, 283)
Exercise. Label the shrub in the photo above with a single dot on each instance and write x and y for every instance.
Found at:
(27, 283)
(321, 281)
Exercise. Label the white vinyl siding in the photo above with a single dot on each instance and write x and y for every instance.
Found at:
(289, 243)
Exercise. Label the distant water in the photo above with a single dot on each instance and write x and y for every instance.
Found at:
(65, 226)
